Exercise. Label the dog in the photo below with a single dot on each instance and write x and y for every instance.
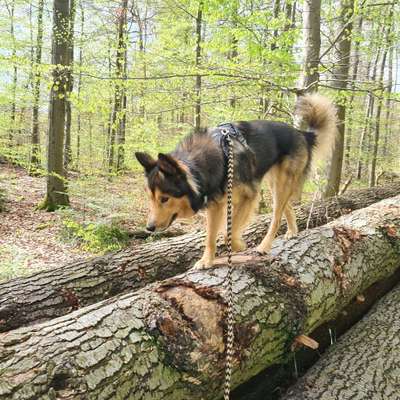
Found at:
(194, 176)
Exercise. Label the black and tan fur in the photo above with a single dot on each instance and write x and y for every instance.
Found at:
(193, 176)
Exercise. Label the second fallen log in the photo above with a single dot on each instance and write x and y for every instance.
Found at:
(364, 364)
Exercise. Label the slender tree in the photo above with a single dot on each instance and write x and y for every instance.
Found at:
(141, 26)
(355, 71)
(388, 104)
(119, 113)
(387, 43)
(363, 148)
(70, 86)
(276, 11)
(340, 79)
(198, 84)
(312, 45)
(79, 118)
(11, 12)
(35, 136)
(56, 178)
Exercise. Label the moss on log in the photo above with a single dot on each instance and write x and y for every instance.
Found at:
(49, 294)
(165, 341)
(363, 364)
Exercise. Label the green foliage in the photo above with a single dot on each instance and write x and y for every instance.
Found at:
(250, 56)
(95, 237)
(12, 263)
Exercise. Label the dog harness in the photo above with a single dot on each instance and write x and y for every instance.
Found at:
(220, 135)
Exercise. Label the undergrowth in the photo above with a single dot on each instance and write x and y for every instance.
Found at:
(96, 237)
(12, 263)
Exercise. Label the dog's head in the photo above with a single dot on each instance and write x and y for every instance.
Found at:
(171, 190)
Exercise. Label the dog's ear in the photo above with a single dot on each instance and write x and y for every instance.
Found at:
(168, 164)
(146, 160)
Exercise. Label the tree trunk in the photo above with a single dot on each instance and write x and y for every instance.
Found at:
(35, 137)
(56, 182)
(49, 294)
(387, 44)
(119, 114)
(363, 364)
(312, 45)
(388, 103)
(340, 78)
(70, 86)
(142, 32)
(350, 117)
(372, 175)
(197, 110)
(368, 116)
(166, 341)
(11, 131)
(276, 10)
(79, 119)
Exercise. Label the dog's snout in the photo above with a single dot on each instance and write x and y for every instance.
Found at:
(151, 227)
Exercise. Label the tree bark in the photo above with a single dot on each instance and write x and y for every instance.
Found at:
(312, 45)
(363, 364)
(368, 116)
(11, 12)
(117, 134)
(35, 136)
(50, 294)
(388, 104)
(56, 183)
(79, 119)
(340, 78)
(276, 10)
(70, 86)
(350, 117)
(166, 341)
(388, 43)
(197, 109)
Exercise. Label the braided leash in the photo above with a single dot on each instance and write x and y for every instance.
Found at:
(230, 314)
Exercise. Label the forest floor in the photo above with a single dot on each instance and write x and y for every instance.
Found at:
(103, 216)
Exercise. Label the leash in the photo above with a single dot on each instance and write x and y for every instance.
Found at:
(230, 312)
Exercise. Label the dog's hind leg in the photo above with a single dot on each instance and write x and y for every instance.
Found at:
(243, 210)
(215, 216)
(290, 216)
(281, 183)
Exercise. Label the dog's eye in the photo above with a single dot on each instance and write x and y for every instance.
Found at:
(164, 199)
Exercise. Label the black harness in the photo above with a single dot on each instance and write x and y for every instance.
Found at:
(220, 135)
(223, 131)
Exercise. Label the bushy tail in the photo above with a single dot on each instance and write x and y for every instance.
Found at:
(319, 114)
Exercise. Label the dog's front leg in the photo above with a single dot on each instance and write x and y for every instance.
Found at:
(215, 214)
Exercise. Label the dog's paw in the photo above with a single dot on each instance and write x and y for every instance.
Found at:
(290, 234)
(203, 263)
(239, 245)
(262, 249)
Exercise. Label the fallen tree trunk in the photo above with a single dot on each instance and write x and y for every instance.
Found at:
(365, 362)
(166, 340)
(49, 294)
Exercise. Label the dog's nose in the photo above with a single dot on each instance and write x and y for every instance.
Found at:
(151, 227)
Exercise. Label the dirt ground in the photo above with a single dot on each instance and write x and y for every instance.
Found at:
(31, 239)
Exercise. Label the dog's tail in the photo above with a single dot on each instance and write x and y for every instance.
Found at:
(319, 114)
